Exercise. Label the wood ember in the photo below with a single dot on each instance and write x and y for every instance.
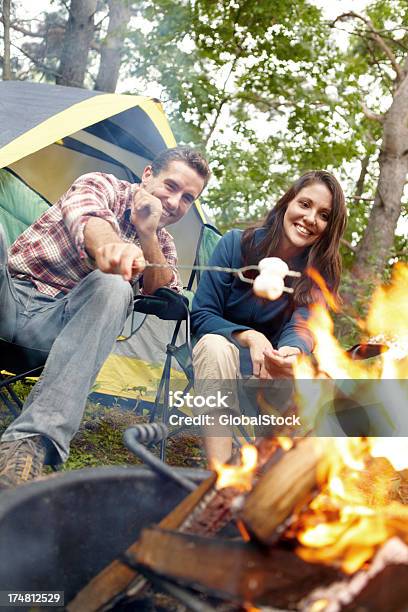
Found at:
(384, 586)
(213, 513)
(219, 507)
(235, 570)
(402, 489)
(281, 488)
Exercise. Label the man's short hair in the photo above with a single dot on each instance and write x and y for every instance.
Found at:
(188, 155)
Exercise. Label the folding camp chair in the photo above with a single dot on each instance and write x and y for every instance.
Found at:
(167, 304)
(20, 206)
(23, 363)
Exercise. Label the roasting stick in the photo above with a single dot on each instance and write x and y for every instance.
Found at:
(238, 271)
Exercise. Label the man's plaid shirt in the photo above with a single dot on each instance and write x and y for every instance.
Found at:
(51, 252)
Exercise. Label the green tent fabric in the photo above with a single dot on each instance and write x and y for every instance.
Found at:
(20, 205)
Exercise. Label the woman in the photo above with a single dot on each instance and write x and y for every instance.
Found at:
(241, 334)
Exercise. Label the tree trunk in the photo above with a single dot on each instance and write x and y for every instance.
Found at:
(79, 34)
(6, 29)
(112, 45)
(374, 248)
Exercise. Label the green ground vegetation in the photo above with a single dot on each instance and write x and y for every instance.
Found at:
(99, 441)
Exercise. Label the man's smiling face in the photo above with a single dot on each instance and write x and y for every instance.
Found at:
(176, 186)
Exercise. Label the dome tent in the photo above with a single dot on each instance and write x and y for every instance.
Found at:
(49, 136)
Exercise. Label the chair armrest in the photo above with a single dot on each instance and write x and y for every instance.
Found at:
(164, 303)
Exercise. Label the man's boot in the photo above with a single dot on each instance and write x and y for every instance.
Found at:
(21, 461)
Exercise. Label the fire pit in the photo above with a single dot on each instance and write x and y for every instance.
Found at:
(269, 565)
(57, 534)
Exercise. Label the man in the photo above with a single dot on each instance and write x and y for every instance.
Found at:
(65, 287)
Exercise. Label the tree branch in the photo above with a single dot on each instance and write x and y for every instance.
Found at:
(258, 100)
(6, 36)
(360, 198)
(348, 245)
(65, 4)
(23, 30)
(369, 114)
(214, 123)
(381, 71)
(39, 65)
(363, 173)
(223, 101)
(100, 22)
(398, 43)
(377, 38)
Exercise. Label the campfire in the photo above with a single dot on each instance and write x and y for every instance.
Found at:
(322, 522)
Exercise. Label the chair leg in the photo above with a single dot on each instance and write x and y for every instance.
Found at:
(165, 375)
(165, 417)
(15, 397)
(14, 405)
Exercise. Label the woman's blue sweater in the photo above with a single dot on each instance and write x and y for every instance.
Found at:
(224, 304)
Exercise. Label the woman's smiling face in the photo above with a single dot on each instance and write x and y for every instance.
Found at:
(306, 218)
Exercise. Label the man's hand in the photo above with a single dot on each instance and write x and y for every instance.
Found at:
(120, 258)
(279, 362)
(146, 213)
(258, 344)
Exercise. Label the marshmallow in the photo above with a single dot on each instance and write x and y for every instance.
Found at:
(274, 264)
(269, 285)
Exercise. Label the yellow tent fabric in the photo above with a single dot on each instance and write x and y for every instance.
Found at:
(79, 116)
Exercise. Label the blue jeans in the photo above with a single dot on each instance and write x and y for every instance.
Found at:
(79, 330)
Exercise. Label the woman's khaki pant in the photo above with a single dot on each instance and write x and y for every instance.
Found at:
(215, 357)
(216, 366)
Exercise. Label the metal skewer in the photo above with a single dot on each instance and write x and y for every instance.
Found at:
(238, 271)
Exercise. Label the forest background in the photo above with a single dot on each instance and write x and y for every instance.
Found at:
(269, 89)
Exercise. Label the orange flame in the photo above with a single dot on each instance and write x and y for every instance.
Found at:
(248, 607)
(359, 506)
(356, 511)
(243, 530)
(285, 443)
(319, 605)
(321, 283)
(238, 476)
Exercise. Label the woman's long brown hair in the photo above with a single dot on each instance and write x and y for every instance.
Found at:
(323, 255)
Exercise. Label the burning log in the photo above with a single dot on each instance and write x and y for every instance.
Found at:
(281, 488)
(384, 586)
(233, 570)
(117, 576)
(205, 511)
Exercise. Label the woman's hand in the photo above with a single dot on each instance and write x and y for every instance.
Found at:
(279, 362)
(258, 344)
